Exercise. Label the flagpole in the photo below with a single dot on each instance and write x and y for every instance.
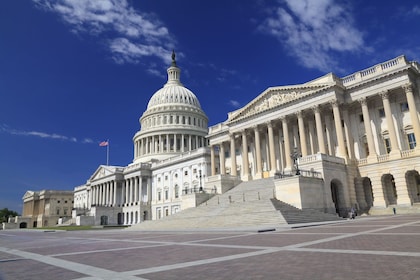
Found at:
(107, 153)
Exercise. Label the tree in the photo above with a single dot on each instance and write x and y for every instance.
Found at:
(6, 213)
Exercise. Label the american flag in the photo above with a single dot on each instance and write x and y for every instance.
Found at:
(103, 144)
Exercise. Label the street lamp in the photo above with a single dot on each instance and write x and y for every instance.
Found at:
(199, 175)
(295, 155)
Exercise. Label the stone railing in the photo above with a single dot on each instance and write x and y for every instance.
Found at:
(140, 165)
(386, 157)
(376, 70)
(319, 157)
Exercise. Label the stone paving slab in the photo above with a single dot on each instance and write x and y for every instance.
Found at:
(23, 269)
(405, 243)
(365, 248)
(150, 257)
(301, 265)
(268, 239)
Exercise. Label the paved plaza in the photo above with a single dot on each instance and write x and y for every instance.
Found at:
(386, 247)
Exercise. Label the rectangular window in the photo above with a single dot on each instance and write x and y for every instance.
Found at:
(166, 194)
(159, 196)
(404, 107)
(361, 119)
(65, 211)
(411, 140)
(186, 172)
(381, 112)
(58, 211)
(176, 191)
(227, 154)
(387, 145)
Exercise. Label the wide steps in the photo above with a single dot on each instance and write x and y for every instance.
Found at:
(295, 215)
(250, 204)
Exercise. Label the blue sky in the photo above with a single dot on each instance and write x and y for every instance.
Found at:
(74, 73)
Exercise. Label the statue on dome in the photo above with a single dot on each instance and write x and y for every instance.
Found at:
(173, 58)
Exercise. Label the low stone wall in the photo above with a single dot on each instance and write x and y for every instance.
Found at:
(221, 183)
(301, 192)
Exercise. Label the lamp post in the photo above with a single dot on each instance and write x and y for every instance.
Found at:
(295, 155)
(200, 176)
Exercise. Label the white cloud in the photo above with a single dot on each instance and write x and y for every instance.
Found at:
(313, 31)
(235, 103)
(6, 129)
(416, 10)
(131, 35)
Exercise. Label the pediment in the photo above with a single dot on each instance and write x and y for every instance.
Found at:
(275, 97)
(28, 194)
(103, 171)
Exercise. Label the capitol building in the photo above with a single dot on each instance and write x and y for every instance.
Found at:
(329, 144)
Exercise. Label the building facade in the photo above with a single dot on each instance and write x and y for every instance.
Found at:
(171, 160)
(46, 208)
(358, 132)
(334, 143)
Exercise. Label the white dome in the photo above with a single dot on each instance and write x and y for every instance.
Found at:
(173, 94)
(173, 122)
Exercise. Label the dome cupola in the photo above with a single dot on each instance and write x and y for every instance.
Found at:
(173, 122)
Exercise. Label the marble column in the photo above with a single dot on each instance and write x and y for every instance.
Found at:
(222, 159)
(233, 155)
(212, 161)
(339, 129)
(272, 152)
(408, 88)
(245, 161)
(286, 138)
(368, 130)
(347, 132)
(302, 134)
(136, 188)
(390, 123)
(258, 153)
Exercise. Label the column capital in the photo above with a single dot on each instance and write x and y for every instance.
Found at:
(269, 124)
(334, 103)
(384, 94)
(362, 101)
(283, 119)
(299, 114)
(316, 108)
(408, 87)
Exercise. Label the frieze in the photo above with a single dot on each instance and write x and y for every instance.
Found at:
(274, 98)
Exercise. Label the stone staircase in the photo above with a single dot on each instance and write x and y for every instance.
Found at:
(295, 215)
(248, 205)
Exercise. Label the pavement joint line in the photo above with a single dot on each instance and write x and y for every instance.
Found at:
(362, 252)
(348, 235)
(222, 237)
(105, 250)
(73, 266)
(201, 262)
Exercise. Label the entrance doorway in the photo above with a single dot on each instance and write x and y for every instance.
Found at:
(104, 220)
(338, 198)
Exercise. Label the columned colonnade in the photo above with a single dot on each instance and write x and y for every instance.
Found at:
(167, 143)
(331, 136)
